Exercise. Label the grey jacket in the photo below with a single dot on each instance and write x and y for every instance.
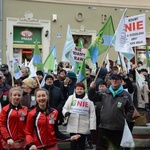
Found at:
(112, 110)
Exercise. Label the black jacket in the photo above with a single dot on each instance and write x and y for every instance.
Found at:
(57, 100)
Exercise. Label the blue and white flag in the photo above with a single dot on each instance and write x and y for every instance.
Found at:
(67, 55)
(17, 72)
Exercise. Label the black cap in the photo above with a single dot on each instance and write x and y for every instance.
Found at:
(116, 76)
(49, 76)
(4, 67)
(143, 70)
(40, 73)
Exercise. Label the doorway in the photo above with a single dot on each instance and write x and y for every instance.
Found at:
(27, 54)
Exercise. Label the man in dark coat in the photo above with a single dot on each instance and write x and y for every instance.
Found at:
(57, 100)
(4, 91)
(7, 74)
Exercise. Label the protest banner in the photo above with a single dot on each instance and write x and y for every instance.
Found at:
(79, 54)
(136, 30)
(80, 106)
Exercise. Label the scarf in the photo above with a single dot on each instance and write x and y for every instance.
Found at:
(80, 96)
(116, 92)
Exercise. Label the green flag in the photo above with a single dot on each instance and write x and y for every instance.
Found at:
(80, 44)
(78, 64)
(50, 60)
(82, 74)
(102, 41)
(37, 60)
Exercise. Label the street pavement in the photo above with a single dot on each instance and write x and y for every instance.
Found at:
(66, 145)
(141, 135)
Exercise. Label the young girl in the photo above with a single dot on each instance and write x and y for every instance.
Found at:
(82, 118)
(13, 120)
(41, 128)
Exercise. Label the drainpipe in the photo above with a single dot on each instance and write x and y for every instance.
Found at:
(1, 21)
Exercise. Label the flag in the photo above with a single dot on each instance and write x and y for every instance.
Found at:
(120, 41)
(147, 56)
(17, 72)
(101, 42)
(25, 63)
(78, 64)
(139, 79)
(37, 60)
(32, 68)
(80, 43)
(43, 81)
(123, 62)
(107, 62)
(82, 72)
(50, 60)
(82, 75)
(67, 55)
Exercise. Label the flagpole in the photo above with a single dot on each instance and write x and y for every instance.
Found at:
(12, 73)
(38, 82)
(135, 55)
(101, 64)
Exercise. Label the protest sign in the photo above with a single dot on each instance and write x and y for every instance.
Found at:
(80, 106)
(135, 30)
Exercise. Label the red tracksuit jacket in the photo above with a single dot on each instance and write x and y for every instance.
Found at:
(40, 127)
(12, 122)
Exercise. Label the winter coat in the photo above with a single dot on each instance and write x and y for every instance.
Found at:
(4, 94)
(113, 110)
(142, 95)
(79, 123)
(28, 100)
(56, 97)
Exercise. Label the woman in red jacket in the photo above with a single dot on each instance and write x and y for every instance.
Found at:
(41, 127)
(12, 121)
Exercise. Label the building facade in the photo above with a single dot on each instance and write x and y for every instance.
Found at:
(24, 21)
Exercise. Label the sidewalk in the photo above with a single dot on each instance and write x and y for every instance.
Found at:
(141, 135)
(66, 145)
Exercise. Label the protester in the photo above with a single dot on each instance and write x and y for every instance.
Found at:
(70, 82)
(143, 101)
(4, 91)
(82, 117)
(25, 73)
(102, 86)
(114, 105)
(59, 82)
(13, 120)
(8, 77)
(101, 75)
(28, 100)
(56, 97)
(89, 79)
(40, 75)
(41, 128)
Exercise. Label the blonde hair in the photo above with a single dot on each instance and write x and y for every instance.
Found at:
(15, 89)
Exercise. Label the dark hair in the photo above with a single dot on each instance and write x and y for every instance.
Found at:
(140, 62)
(115, 68)
(102, 83)
(62, 70)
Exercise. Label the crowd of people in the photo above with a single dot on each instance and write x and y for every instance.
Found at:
(30, 114)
